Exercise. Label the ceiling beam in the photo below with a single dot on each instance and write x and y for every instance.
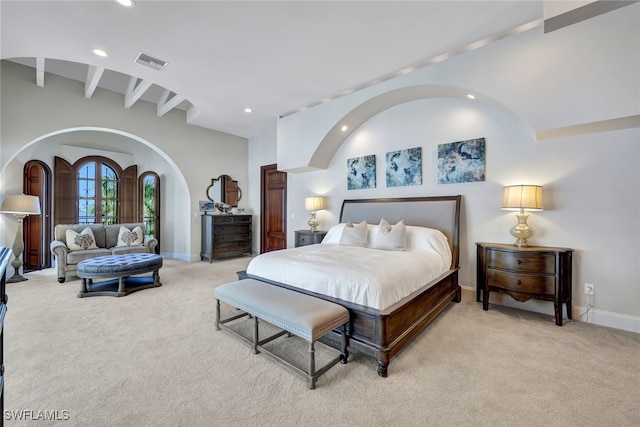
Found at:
(165, 104)
(610, 125)
(94, 74)
(40, 71)
(578, 14)
(135, 90)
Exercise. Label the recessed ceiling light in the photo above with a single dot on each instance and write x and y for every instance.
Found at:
(471, 96)
(248, 110)
(344, 128)
(126, 3)
(100, 52)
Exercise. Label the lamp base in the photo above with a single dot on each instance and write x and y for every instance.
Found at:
(522, 231)
(313, 222)
(16, 278)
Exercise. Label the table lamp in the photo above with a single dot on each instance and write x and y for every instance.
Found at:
(522, 198)
(20, 205)
(313, 204)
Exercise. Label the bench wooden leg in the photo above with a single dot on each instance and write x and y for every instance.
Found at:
(256, 336)
(121, 286)
(217, 315)
(344, 355)
(312, 366)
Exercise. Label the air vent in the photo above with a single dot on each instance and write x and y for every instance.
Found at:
(150, 61)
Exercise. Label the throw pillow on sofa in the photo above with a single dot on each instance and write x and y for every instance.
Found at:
(128, 237)
(81, 241)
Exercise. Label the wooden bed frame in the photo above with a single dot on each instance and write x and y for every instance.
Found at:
(383, 333)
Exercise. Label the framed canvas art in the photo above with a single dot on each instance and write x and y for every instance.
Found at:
(404, 167)
(462, 161)
(361, 172)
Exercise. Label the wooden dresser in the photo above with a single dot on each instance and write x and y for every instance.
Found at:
(225, 236)
(538, 272)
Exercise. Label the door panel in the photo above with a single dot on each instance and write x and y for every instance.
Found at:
(66, 193)
(274, 209)
(37, 228)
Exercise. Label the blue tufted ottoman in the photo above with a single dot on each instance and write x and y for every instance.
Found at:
(120, 268)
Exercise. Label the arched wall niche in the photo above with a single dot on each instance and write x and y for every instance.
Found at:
(368, 109)
(173, 180)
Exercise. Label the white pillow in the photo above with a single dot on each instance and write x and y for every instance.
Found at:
(390, 237)
(333, 235)
(427, 240)
(354, 235)
(128, 237)
(81, 241)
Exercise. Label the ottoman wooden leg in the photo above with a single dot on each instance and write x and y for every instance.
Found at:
(83, 288)
(121, 286)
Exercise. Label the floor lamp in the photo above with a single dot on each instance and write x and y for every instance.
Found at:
(20, 205)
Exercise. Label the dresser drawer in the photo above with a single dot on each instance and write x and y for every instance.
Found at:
(222, 219)
(530, 283)
(306, 240)
(306, 237)
(231, 219)
(521, 261)
(231, 237)
(231, 229)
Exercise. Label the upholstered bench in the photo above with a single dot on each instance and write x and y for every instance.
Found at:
(295, 313)
(122, 268)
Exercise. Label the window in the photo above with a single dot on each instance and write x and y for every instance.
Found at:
(97, 184)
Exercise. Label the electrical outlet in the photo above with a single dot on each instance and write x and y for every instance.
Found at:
(589, 289)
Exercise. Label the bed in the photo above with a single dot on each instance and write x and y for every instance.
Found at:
(379, 328)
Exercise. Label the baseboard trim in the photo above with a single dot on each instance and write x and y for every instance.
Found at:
(182, 257)
(596, 316)
(624, 322)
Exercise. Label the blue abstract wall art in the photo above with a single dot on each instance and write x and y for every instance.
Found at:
(361, 172)
(462, 161)
(404, 167)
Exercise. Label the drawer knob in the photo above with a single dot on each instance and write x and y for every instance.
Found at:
(519, 261)
(519, 282)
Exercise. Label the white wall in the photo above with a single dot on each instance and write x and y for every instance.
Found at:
(577, 75)
(185, 156)
(262, 152)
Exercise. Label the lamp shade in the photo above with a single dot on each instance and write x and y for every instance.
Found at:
(21, 204)
(528, 197)
(313, 203)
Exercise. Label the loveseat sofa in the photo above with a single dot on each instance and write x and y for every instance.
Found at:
(69, 248)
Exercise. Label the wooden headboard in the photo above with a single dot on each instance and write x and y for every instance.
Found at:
(440, 212)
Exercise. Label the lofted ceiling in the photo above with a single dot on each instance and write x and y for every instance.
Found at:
(224, 56)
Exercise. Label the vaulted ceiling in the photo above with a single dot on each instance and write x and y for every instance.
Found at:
(222, 57)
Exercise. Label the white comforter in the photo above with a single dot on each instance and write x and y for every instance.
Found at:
(368, 277)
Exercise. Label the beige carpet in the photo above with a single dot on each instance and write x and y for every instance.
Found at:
(153, 358)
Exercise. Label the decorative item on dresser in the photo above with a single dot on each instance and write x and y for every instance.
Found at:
(225, 236)
(537, 272)
(313, 204)
(307, 237)
(521, 198)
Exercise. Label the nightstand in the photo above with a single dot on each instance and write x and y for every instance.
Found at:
(524, 273)
(308, 237)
